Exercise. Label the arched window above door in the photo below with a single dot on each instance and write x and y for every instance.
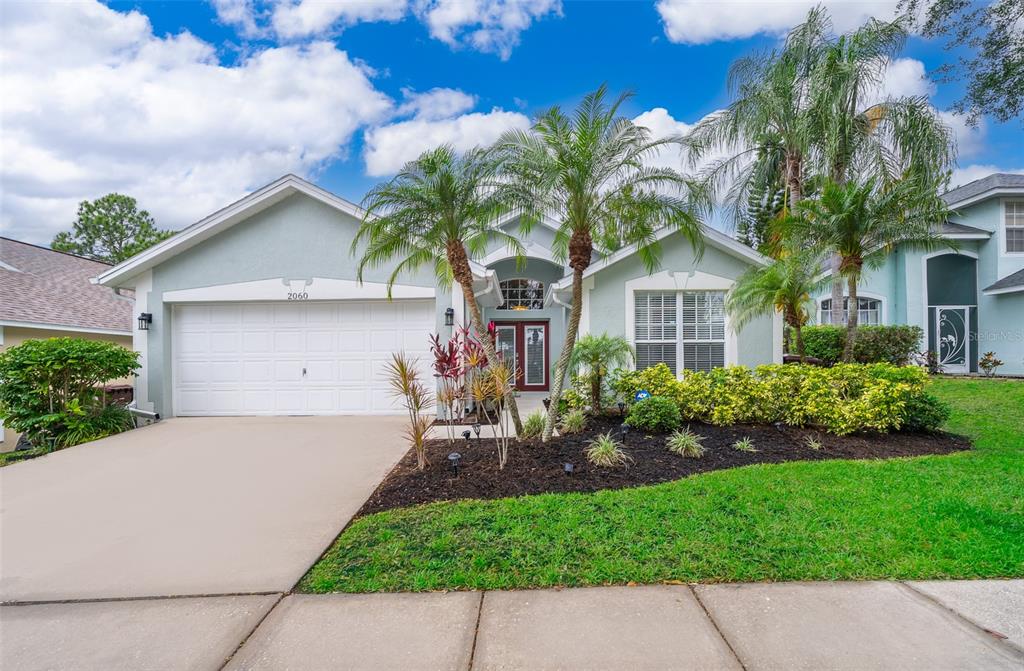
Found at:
(522, 294)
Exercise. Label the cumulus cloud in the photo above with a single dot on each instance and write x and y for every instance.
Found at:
(701, 22)
(663, 125)
(302, 18)
(387, 148)
(491, 26)
(436, 103)
(95, 102)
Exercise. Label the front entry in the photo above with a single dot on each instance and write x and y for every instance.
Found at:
(950, 337)
(525, 344)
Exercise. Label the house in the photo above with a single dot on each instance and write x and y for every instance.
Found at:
(968, 298)
(255, 310)
(48, 294)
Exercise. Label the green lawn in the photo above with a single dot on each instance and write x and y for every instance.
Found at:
(957, 516)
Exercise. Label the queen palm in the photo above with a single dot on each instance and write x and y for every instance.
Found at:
(439, 210)
(589, 172)
(861, 222)
(786, 285)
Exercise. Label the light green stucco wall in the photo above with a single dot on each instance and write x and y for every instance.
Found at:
(608, 303)
(298, 238)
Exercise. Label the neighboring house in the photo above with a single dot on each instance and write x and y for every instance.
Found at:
(968, 298)
(256, 310)
(47, 294)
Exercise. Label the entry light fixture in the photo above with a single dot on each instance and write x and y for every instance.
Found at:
(145, 319)
(449, 317)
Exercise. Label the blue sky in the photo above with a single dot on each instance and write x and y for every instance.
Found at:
(188, 105)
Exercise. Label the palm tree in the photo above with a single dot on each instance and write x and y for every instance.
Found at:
(786, 286)
(589, 172)
(861, 222)
(437, 211)
(598, 353)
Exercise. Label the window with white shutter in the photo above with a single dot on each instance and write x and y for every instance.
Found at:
(703, 325)
(655, 334)
(1014, 227)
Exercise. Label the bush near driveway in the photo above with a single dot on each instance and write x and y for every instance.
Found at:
(875, 344)
(843, 399)
(935, 517)
(51, 390)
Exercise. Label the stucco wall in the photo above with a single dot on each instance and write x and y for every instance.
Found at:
(299, 238)
(13, 336)
(607, 298)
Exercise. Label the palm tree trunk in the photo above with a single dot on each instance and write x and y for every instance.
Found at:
(851, 321)
(836, 313)
(563, 359)
(459, 262)
(798, 329)
(595, 391)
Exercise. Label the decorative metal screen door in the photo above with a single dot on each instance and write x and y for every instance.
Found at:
(952, 340)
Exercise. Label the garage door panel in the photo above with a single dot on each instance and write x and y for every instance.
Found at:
(248, 358)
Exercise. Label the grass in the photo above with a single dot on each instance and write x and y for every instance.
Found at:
(954, 516)
(8, 458)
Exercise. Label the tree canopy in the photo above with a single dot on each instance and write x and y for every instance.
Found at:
(110, 229)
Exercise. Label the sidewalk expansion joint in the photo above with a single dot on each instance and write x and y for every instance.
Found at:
(1000, 640)
(248, 635)
(721, 634)
(476, 630)
(119, 599)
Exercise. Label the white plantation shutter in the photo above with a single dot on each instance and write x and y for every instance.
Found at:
(655, 329)
(703, 321)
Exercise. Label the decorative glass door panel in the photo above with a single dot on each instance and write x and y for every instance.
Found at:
(951, 341)
(525, 345)
(534, 371)
(505, 345)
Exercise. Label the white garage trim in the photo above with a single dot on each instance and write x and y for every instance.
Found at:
(281, 289)
(294, 357)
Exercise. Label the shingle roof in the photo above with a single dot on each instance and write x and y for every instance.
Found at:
(1011, 281)
(41, 286)
(997, 180)
(953, 228)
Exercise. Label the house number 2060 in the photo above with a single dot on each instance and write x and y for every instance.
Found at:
(298, 295)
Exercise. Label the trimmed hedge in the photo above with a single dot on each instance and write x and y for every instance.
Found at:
(875, 344)
(842, 399)
(656, 414)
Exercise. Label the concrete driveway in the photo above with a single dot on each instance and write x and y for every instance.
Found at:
(188, 506)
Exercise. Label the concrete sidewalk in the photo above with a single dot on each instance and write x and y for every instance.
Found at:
(845, 625)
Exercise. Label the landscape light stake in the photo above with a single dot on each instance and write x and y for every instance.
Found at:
(624, 429)
(454, 460)
(476, 429)
(547, 403)
(465, 434)
(622, 408)
(568, 468)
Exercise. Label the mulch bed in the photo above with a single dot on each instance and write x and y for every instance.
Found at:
(535, 467)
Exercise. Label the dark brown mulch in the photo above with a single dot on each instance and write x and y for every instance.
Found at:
(535, 467)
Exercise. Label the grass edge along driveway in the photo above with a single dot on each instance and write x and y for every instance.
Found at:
(954, 516)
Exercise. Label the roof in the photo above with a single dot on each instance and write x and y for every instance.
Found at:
(952, 229)
(1012, 283)
(40, 288)
(981, 188)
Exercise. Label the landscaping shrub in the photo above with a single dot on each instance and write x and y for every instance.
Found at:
(533, 425)
(606, 451)
(924, 412)
(686, 443)
(573, 421)
(745, 444)
(656, 414)
(656, 380)
(875, 344)
(842, 399)
(51, 390)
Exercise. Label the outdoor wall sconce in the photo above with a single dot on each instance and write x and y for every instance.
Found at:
(145, 319)
(454, 460)
(449, 317)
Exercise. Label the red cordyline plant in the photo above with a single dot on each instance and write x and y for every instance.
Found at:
(448, 369)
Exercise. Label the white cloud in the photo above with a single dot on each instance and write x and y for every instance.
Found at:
(663, 125)
(972, 172)
(701, 22)
(491, 26)
(906, 77)
(302, 18)
(95, 102)
(238, 13)
(388, 148)
(970, 141)
(438, 103)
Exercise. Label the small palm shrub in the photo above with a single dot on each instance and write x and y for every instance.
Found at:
(533, 425)
(686, 443)
(598, 354)
(744, 445)
(403, 376)
(573, 421)
(656, 414)
(606, 451)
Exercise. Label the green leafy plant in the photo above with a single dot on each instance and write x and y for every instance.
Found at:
(533, 425)
(598, 353)
(896, 344)
(606, 451)
(989, 363)
(573, 421)
(924, 412)
(656, 414)
(53, 387)
(745, 444)
(657, 380)
(686, 443)
(813, 443)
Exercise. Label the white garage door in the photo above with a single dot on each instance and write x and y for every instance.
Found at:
(296, 358)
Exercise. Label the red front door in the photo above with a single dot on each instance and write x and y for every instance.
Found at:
(525, 344)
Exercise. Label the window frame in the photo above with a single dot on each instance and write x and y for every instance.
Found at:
(879, 311)
(1018, 225)
(504, 306)
(680, 340)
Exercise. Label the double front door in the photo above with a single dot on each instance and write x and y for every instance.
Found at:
(525, 345)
